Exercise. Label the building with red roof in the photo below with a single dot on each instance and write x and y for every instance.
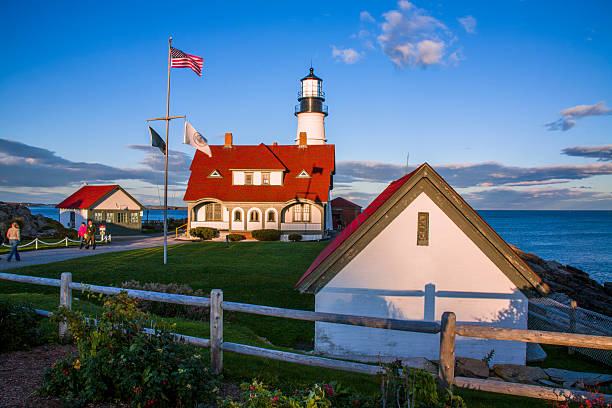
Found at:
(343, 212)
(108, 205)
(241, 188)
(417, 251)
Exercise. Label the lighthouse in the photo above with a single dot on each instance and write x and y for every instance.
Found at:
(311, 111)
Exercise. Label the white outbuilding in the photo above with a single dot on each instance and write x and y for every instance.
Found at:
(417, 251)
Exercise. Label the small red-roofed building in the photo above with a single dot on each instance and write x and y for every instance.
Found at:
(242, 188)
(417, 251)
(108, 205)
(343, 212)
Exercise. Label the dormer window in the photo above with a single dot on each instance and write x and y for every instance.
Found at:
(215, 174)
(303, 174)
(265, 178)
(248, 179)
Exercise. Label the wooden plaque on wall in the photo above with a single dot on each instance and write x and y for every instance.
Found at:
(423, 229)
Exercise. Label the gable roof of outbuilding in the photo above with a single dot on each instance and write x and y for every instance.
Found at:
(317, 160)
(389, 204)
(88, 196)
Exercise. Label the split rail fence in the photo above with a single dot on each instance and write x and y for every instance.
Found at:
(447, 328)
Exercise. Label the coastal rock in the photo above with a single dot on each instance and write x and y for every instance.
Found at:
(471, 367)
(420, 363)
(575, 377)
(32, 224)
(571, 282)
(535, 353)
(520, 373)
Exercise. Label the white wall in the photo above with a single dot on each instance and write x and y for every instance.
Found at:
(276, 178)
(117, 201)
(254, 225)
(271, 224)
(220, 225)
(238, 177)
(237, 225)
(313, 123)
(372, 284)
(79, 217)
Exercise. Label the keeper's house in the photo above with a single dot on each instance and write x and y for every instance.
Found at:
(110, 205)
(417, 251)
(244, 188)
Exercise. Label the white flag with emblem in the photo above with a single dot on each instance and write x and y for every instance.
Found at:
(195, 139)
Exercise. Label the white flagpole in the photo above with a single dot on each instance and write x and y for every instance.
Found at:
(167, 151)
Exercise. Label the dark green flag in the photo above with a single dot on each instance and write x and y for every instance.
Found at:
(157, 141)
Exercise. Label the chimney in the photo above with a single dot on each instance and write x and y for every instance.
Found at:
(228, 140)
(274, 144)
(303, 140)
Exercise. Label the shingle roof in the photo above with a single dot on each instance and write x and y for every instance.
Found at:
(317, 160)
(86, 196)
(340, 202)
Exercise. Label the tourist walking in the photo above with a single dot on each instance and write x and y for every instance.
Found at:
(14, 236)
(81, 234)
(90, 236)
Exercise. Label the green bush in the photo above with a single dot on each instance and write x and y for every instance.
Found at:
(118, 362)
(19, 327)
(266, 235)
(169, 309)
(236, 237)
(295, 237)
(204, 233)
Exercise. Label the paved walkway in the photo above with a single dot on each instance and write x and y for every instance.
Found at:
(44, 256)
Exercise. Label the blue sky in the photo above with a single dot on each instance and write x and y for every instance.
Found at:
(467, 86)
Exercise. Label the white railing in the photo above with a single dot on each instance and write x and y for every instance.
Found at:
(107, 239)
(447, 328)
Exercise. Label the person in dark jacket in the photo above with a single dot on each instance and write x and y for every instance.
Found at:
(90, 236)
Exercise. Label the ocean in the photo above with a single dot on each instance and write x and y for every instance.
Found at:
(582, 239)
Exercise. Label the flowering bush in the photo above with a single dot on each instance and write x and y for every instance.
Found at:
(257, 395)
(117, 361)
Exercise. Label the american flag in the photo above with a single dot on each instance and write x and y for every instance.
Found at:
(178, 59)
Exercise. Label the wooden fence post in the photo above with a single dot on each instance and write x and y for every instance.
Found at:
(446, 370)
(36, 242)
(65, 301)
(216, 330)
(572, 322)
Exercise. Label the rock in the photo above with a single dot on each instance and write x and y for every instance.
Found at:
(535, 353)
(495, 379)
(420, 363)
(571, 282)
(32, 224)
(471, 367)
(548, 383)
(520, 373)
(608, 288)
(574, 377)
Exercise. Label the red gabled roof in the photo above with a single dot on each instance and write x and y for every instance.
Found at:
(343, 236)
(317, 160)
(86, 196)
(340, 202)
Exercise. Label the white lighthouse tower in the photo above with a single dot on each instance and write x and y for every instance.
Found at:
(311, 111)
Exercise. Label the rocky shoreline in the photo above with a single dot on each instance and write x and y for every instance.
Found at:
(568, 283)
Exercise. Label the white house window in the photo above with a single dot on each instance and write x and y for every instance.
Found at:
(306, 212)
(109, 217)
(98, 216)
(121, 217)
(212, 212)
(301, 213)
(248, 179)
(271, 216)
(237, 216)
(254, 216)
(134, 218)
(265, 178)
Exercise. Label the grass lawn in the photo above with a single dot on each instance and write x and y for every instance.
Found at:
(261, 273)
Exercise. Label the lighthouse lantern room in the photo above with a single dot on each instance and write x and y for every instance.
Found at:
(311, 111)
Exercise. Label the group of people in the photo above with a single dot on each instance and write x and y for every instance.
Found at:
(87, 234)
(14, 236)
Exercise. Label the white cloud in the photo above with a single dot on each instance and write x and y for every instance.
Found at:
(411, 37)
(566, 122)
(468, 23)
(366, 17)
(601, 153)
(346, 55)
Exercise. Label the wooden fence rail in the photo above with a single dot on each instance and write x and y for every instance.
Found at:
(448, 330)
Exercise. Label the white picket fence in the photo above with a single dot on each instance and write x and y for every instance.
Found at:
(447, 328)
(107, 239)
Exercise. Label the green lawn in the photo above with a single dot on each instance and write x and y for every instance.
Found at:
(261, 273)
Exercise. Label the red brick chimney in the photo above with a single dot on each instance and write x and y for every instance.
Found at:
(303, 140)
(228, 140)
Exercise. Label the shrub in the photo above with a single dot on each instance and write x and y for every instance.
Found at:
(169, 309)
(204, 232)
(266, 235)
(117, 361)
(295, 237)
(19, 327)
(236, 237)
